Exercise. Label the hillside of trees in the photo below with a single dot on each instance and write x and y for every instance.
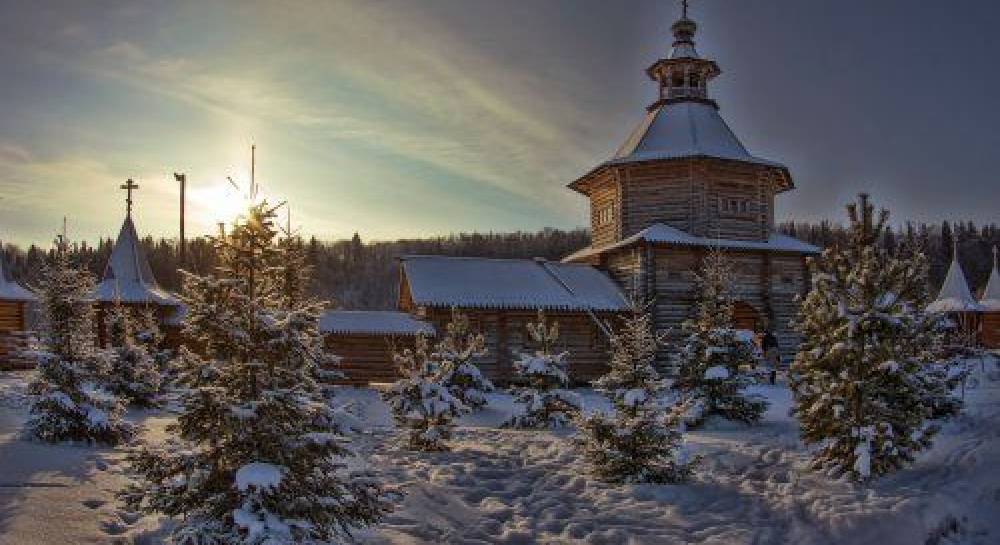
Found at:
(354, 274)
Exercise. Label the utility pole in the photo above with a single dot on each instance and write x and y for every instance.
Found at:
(182, 179)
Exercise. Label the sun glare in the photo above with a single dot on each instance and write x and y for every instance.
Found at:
(219, 202)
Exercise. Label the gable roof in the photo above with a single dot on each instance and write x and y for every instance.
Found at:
(127, 276)
(473, 282)
(10, 290)
(373, 322)
(955, 295)
(991, 295)
(659, 233)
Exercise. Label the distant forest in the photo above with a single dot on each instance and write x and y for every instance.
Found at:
(354, 274)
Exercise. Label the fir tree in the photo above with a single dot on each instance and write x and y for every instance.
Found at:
(150, 336)
(865, 380)
(547, 403)
(714, 360)
(258, 455)
(420, 403)
(66, 409)
(641, 443)
(455, 354)
(133, 374)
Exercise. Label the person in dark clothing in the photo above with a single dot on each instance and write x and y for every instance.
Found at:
(769, 345)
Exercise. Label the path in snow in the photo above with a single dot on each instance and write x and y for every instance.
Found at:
(505, 486)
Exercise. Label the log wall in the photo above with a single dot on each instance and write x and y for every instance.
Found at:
(14, 340)
(990, 336)
(689, 194)
(506, 335)
(366, 359)
(767, 285)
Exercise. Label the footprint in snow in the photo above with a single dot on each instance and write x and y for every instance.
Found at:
(113, 527)
(129, 517)
(93, 503)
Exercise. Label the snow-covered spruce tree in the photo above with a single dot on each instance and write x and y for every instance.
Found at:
(864, 380)
(258, 456)
(65, 409)
(151, 337)
(642, 442)
(455, 354)
(547, 403)
(132, 374)
(713, 361)
(419, 402)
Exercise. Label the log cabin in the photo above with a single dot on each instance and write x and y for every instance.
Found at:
(365, 342)
(501, 296)
(681, 184)
(15, 337)
(990, 304)
(955, 299)
(128, 279)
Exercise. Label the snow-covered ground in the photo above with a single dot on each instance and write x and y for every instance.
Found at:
(506, 486)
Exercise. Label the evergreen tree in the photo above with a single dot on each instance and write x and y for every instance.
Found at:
(458, 373)
(714, 361)
(258, 455)
(419, 402)
(133, 374)
(547, 403)
(641, 443)
(65, 408)
(865, 380)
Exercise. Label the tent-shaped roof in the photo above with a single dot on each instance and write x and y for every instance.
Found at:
(659, 233)
(684, 129)
(373, 322)
(11, 290)
(991, 296)
(127, 276)
(955, 295)
(465, 282)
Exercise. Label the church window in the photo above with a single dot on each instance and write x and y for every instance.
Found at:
(605, 215)
(734, 206)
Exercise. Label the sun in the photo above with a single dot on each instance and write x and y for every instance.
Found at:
(218, 202)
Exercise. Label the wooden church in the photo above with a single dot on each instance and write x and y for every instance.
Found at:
(128, 280)
(680, 185)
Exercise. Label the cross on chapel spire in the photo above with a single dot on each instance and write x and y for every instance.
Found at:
(128, 186)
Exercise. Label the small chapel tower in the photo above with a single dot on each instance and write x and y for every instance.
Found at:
(682, 183)
(128, 279)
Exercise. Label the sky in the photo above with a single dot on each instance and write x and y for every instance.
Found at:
(404, 118)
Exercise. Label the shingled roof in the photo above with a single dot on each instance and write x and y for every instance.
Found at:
(11, 290)
(955, 295)
(472, 282)
(659, 233)
(127, 276)
(373, 322)
(991, 295)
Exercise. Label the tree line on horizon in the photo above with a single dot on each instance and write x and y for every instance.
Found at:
(354, 274)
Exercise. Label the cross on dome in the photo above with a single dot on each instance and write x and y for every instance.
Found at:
(128, 186)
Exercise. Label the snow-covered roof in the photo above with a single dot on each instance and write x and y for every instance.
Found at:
(465, 282)
(11, 290)
(991, 296)
(127, 276)
(955, 295)
(373, 322)
(659, 233)
(684, 129)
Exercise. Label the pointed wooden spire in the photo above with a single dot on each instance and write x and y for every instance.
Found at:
(991, 295)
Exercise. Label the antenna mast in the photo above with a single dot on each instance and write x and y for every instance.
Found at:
(182, 179)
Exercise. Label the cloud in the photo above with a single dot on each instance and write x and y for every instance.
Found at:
(439, 103)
